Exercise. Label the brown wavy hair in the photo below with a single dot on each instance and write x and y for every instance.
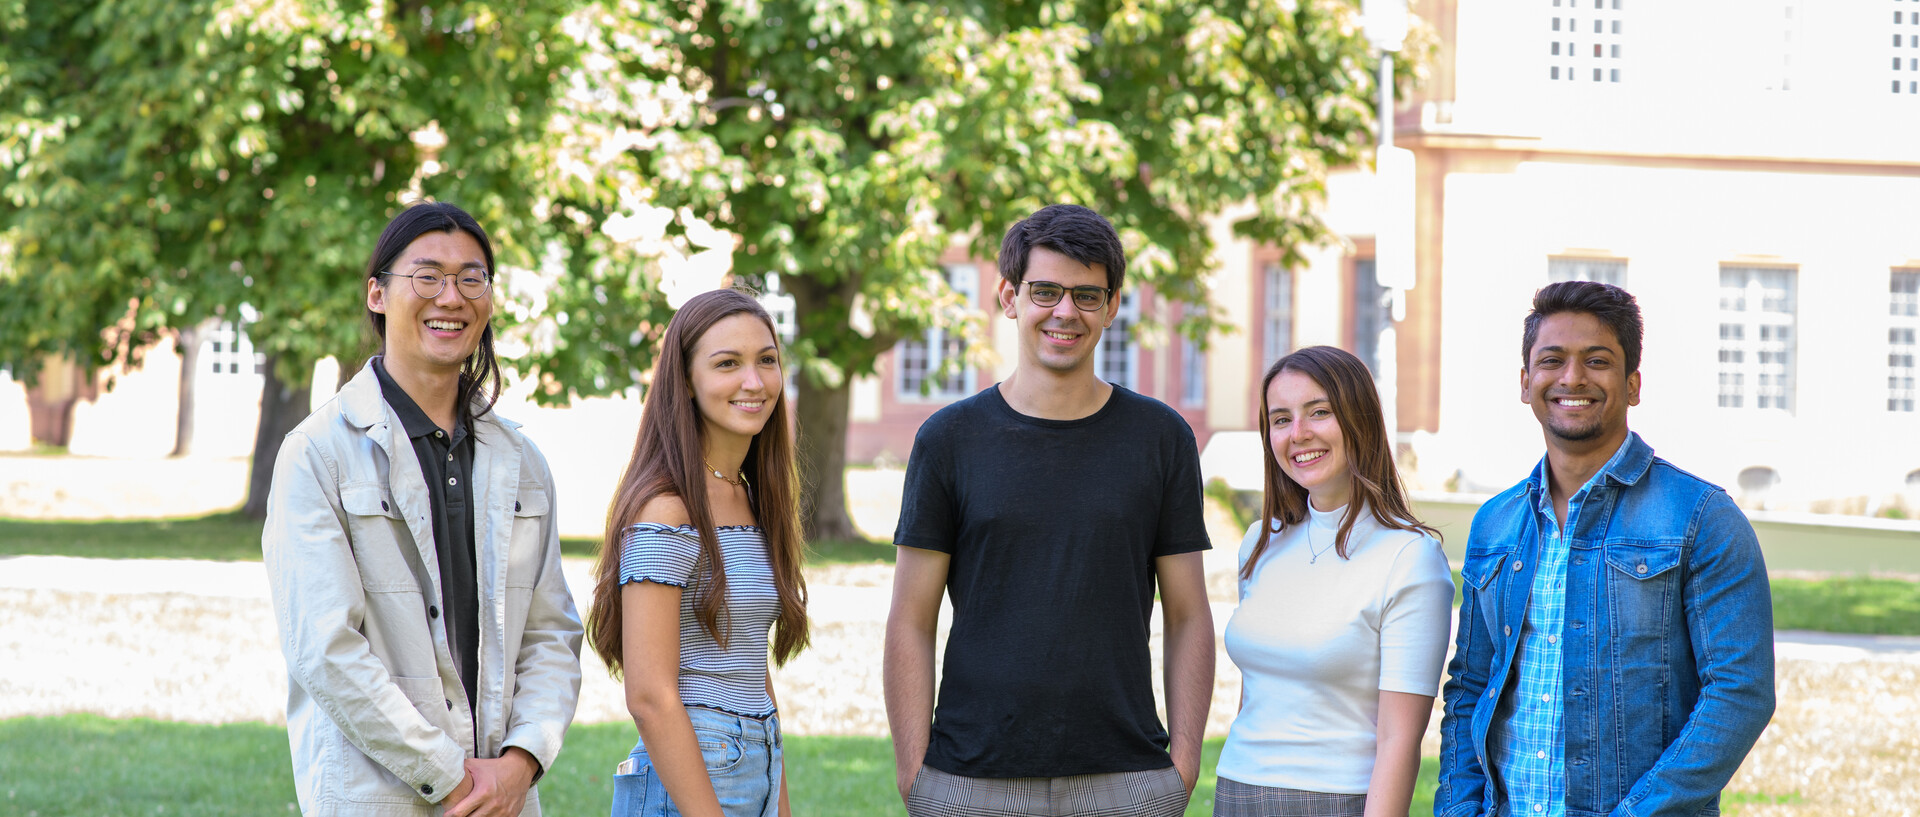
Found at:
(1363, 429)
(667, 461)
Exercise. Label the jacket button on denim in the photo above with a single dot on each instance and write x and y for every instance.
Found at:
(1517, 566)
(1641, 569)
(433, 612)
(1507, 630)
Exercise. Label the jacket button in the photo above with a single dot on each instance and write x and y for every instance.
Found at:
(516, 507)
(1518, 565)
(1507, 630)
(449, 704)
(1641, 569)
(383, 504)
(426, 788)
(433, 612)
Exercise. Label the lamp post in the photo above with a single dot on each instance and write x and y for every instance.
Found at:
(1385, 24)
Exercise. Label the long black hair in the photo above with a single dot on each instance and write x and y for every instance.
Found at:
(480, 381)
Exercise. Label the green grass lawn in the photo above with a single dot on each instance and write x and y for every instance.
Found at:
(88, 765)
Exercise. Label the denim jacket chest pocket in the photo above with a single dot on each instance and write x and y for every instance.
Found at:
(1481, 575)
(1641, 583)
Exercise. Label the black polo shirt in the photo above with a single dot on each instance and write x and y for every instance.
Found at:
(447, 463)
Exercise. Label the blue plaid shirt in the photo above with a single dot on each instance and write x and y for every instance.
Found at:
(1528, 738)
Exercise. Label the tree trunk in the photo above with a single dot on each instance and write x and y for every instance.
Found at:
(187, 342)
(823, 459)
(822, 409)
(282, 406)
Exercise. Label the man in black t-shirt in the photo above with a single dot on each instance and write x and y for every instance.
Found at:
(1048, 507)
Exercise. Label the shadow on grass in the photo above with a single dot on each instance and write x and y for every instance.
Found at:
(230, 537)
(226, 537)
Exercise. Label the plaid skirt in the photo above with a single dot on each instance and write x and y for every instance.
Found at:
(1232, 798)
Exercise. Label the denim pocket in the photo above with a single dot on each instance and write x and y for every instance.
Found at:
(721, 751)
(634, 794)
(1643, 585)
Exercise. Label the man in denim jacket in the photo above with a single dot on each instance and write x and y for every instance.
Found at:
(1615, 646)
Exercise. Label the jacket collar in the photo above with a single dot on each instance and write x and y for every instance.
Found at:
(1626, 467)
(364, 407)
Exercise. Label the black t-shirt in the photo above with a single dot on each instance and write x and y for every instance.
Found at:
(1053, 527)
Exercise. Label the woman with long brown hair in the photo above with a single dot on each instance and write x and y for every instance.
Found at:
(1339, 661)
(701, 559)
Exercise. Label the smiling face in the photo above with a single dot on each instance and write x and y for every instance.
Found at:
(432, 337)
(1576, 382)
(1060, 338)
(1306, 439)
(735, 376)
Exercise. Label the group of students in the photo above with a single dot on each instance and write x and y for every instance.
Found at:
(1613, 652)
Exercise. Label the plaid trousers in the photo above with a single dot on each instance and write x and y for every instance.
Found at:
(1232, 798)
(1154, 793)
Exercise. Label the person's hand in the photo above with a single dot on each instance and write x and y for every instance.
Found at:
(494, 787)
(1189, 772)
(904, 779)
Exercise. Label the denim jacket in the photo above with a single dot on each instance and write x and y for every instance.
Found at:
(1668, 662)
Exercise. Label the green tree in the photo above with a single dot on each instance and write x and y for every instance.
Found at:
(842, 146)
(168, 162)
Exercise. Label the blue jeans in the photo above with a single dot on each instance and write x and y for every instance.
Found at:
(743, 760)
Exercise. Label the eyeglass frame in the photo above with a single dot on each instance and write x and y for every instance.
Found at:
(443, 278)
(1106, 294)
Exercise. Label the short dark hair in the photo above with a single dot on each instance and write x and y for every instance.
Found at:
(1610, 304)
(1070, 230)
(480, 381)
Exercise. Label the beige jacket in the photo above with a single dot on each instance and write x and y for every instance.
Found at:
(376, 713)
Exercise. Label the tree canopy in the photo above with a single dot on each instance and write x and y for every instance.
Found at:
(166, 162)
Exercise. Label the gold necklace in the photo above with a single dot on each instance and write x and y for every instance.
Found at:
(737, 483)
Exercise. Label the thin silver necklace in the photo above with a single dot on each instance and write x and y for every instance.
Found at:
(1310, 548)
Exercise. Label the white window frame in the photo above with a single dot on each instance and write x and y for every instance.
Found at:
(1118, 340)
(1193, 373)
(227, 347)
(1903, 332)
(937, 345)
(1582, 268)
(1278, 320)
(1758, 341)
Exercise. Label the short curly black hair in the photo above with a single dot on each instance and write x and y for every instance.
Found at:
(1610, 304)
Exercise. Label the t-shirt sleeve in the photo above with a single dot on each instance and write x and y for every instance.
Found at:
(1183, 526)
(1415, 617)
(659, 554)
(926, 500)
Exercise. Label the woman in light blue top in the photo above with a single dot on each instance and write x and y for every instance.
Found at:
(701, 559)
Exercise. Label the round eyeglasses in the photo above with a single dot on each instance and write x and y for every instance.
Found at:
(471, 284)
(1046, 294)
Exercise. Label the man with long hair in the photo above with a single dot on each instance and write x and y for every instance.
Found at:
(1050, 507)
(433, 651)
(1615, 647)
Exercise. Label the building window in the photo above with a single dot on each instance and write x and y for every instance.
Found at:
(1903, 339)
(934, 366)
(1193, 373)
(230, 351)
(1114, 357)
(1372, 312)
(1757, 309)
(1278, 322)
(1606, 271)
